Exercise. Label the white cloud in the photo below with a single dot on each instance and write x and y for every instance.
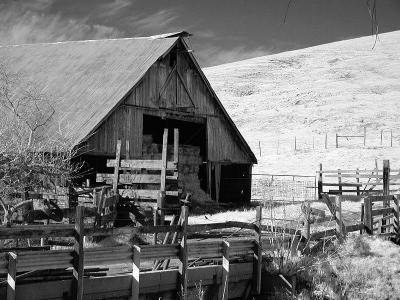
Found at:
(113, 8)
(158, 22)
(21, 23)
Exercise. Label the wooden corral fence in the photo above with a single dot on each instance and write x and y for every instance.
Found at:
(138, 283)
(359, 182)
(380, 215)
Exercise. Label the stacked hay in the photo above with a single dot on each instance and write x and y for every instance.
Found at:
(189, 164)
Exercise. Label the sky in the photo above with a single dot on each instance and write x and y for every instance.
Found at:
(223, 30)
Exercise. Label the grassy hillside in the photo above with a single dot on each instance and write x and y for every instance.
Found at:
(334, 88)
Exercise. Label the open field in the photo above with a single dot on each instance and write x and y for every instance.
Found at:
(340, 87)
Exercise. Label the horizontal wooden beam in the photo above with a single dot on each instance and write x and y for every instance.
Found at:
(142, 164)
(144, 194)
(133, 178)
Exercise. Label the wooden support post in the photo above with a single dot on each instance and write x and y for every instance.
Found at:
(183, 255)
(320, 188)
(11, 276)
(381, 136)
(78, 267)
(209, 178)
(161, 196)
(340, 229)
(386, 179)
(224, 287)
(155, 223)
(368, 215)
(340, 182)
(326, 141)
(337, 142)
(258, 253)
(116, 167)
(217, 181)
(386, 188)
(176, 145)
(396, 214)
(135, 273)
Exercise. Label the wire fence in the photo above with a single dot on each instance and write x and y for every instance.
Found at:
(293, 188)
(370, 138)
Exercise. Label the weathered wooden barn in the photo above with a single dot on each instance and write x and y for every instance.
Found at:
(131, 89)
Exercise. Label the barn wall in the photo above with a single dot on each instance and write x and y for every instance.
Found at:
(163, 90)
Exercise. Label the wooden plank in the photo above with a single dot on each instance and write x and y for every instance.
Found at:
(176, 145)
(11, 276)
(183, 255)
(343, 184)
(78, 262)
(396, 214)
(133, 178)
(355, 227)
(116, 167)
(144, 194)
(136, 273)
(383, 211)
(142, 164)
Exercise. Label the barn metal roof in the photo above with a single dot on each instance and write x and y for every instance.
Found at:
(85, 79)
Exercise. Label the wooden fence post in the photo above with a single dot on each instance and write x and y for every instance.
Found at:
(396, 214)
(295, 143)
(78, 267)
(386, 180)
(340, 182)
(358, 181)
(326, 141)
(135, 273)
(11, 276)
(391, 138)
(368, 215)
(337, 142)
(320, 188)
(306, 228)
(183, 254)
(258, 252)
(340, 229)
(224, 287)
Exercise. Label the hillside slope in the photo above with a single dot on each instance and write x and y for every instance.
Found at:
(314, 93)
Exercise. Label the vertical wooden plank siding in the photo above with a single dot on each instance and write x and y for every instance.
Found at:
(183, 255)
(135, 273)
(222, 143)
(11, 276)
(77, 271)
